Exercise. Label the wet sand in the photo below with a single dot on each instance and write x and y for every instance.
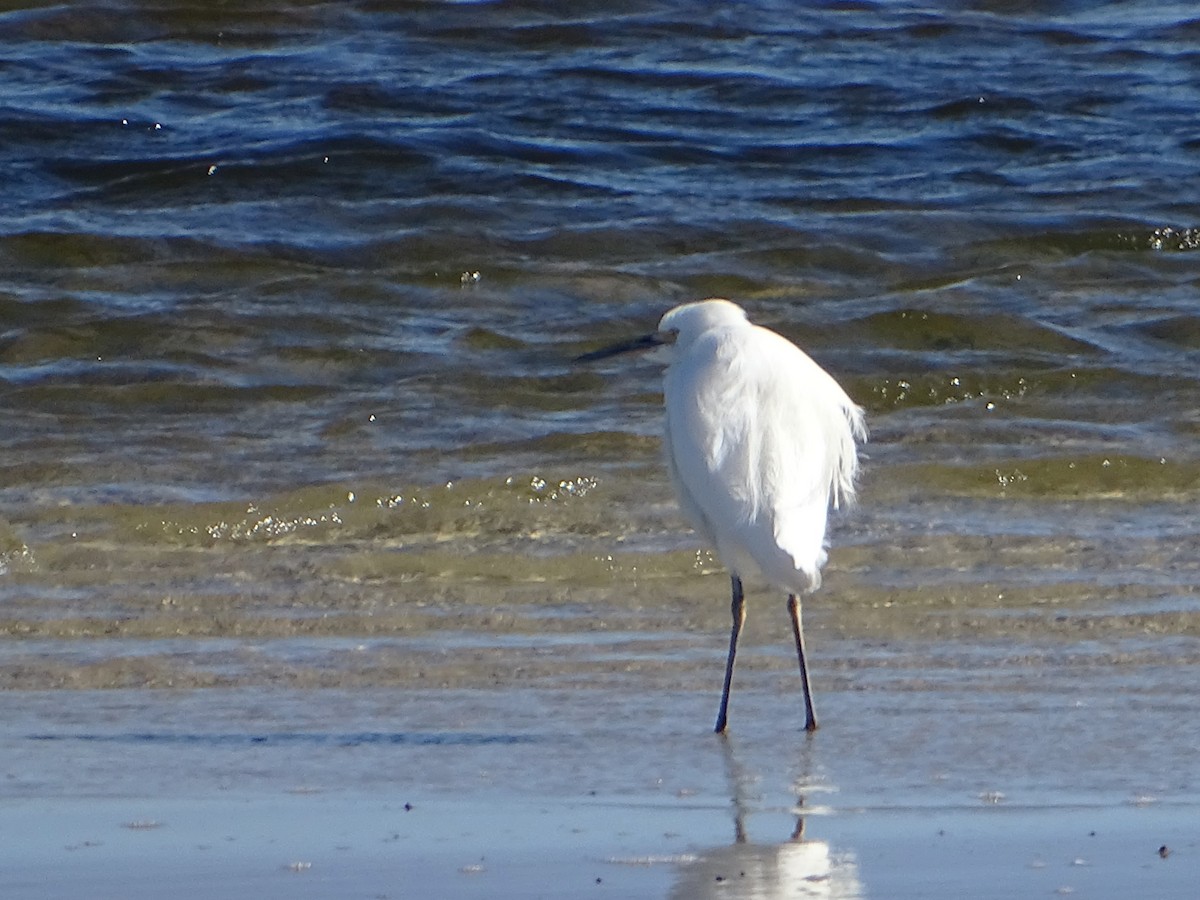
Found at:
(973, 769)
(361, 846)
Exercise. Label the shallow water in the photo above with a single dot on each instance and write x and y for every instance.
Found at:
(289, 296)
(961, 778)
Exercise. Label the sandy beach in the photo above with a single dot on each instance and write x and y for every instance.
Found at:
(361, 846)
(960, 770)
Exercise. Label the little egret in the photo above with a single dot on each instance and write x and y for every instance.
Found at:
(760, 443)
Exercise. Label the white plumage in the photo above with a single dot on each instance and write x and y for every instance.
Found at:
(761, 442)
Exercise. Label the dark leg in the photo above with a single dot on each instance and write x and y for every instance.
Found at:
(738, 608)
(810, 716)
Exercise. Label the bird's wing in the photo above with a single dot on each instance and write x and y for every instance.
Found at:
(762, 442)
(807, 456)
(811, 428)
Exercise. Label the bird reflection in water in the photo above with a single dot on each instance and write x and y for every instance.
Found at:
(798, 867)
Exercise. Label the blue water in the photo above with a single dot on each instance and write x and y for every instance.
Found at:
(234, 235)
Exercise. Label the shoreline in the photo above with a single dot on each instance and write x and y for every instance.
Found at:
(928, 791)
(349, 845)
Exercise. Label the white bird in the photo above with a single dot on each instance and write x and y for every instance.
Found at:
(761, 442)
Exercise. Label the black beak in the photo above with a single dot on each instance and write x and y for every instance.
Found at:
(645, 342)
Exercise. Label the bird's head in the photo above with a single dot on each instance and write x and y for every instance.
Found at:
(679, 327)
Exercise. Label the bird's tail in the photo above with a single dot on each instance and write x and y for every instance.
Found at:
(845, 481)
